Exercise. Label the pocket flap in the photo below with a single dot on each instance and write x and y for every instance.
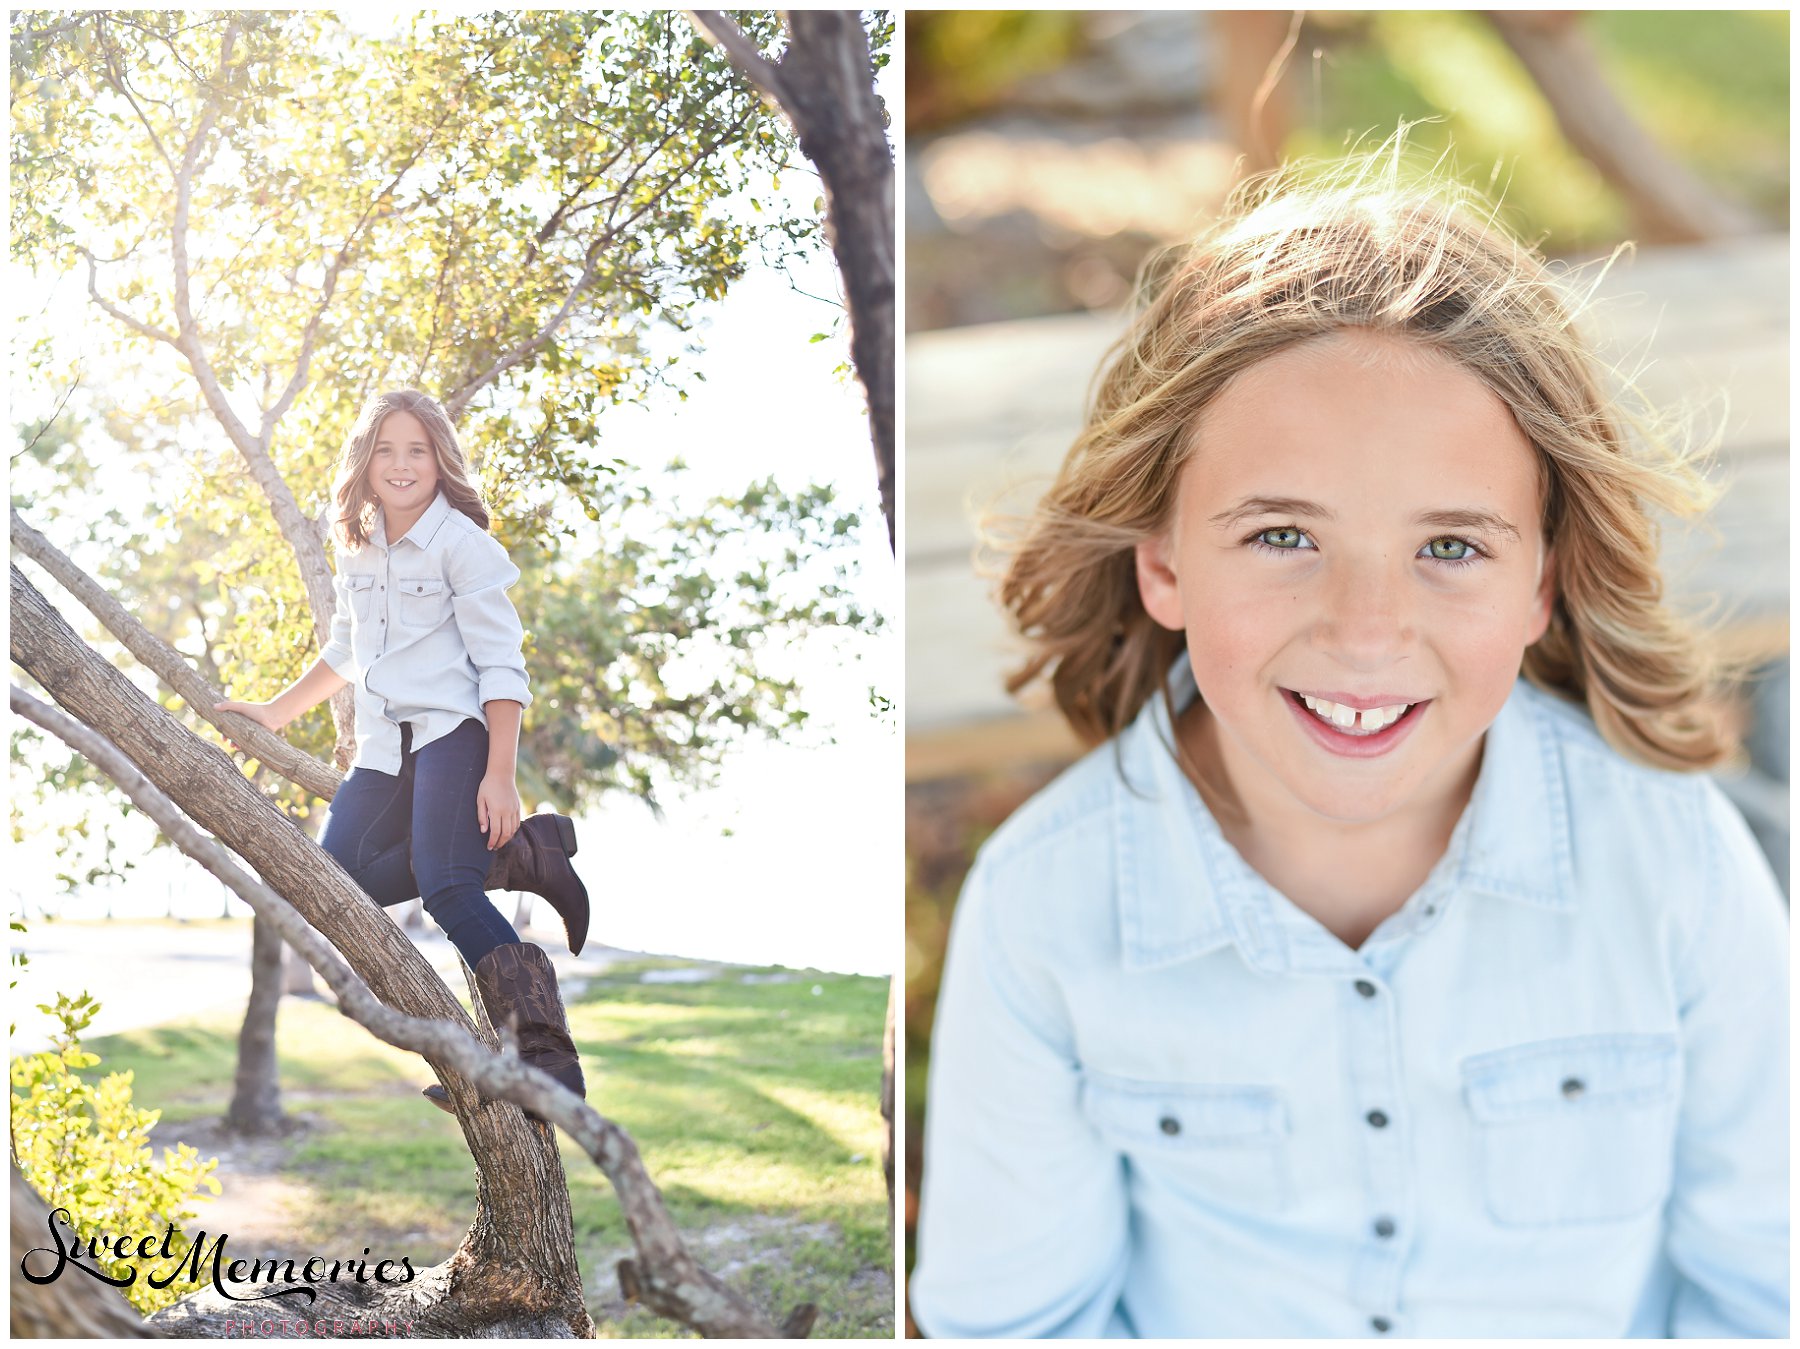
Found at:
(1582, 1072)
(354, 582)
(420, 587)
(1169, 1115)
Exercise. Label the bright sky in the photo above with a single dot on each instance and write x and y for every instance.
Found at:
(796, 857)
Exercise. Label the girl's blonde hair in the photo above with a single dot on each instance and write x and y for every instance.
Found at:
(356, 504)
(1294, 260)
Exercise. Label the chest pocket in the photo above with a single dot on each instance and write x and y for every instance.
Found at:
(422, 602)
(1220, 1145)
(362, 593)
(1577, 1130)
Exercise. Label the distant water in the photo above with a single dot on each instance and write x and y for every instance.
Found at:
(800, 864)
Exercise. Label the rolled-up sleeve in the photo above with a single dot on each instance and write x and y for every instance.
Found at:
(1023, 1213)
(1727, 1218)
(479, 572)
(337, 653)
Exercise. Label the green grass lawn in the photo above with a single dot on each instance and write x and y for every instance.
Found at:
(754, 1105)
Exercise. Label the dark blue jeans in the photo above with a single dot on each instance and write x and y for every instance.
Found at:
(417, 835)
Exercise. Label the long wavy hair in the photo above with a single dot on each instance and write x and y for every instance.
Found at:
(356, 504)
(1298, 257)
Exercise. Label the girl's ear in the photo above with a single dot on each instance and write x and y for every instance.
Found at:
(1544, 601)
(1158, 586)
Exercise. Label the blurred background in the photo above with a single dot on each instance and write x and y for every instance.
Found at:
(1049, 152)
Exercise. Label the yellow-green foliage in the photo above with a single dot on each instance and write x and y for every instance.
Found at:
(86, 1148)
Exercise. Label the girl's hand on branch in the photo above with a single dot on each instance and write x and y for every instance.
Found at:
(497, 809)
(263, 714)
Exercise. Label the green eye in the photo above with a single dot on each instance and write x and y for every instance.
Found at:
(1281, 538)
(1450, 550)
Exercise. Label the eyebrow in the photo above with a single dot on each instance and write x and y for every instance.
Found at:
(1459, 518)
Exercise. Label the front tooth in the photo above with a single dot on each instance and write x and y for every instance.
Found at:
(1343, 717)
(1373, 719)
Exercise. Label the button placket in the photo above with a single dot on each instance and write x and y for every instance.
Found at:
(1379, 1099)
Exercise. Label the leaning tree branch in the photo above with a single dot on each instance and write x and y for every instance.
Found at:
(258, 741)
(1671, 204)
(665, 1277)
(218, 799)
(822, 85)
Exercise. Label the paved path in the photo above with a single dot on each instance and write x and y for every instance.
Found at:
(990, 411)
(151, 973)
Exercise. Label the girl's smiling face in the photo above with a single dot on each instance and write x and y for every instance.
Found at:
(1357, 560)
(403, 467)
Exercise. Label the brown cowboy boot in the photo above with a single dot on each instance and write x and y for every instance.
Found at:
(536, 860)
(518, 988)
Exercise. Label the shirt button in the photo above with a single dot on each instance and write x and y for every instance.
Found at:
(1376, 1119)
(1169, 1125)
(1364, 987)
(1384, 1228)
(1381, 1324)
(1573, 1087)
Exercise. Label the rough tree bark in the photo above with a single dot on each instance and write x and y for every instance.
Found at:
(823, 85)
(664, 1277)
(255, 1108)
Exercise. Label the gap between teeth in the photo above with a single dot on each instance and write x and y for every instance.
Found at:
(1349, 719)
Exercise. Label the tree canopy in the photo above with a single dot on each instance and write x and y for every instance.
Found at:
(278, 213)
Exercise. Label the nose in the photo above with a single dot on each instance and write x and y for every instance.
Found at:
(1366, 620)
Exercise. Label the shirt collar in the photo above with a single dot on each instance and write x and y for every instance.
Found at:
(1184, 890)
(423, 529)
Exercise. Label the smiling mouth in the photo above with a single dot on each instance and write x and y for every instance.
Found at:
(403, 483)
(1351, 721)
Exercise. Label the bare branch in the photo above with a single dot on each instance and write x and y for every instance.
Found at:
(50, 421)
(295, 765)
(303, 362)
(116, 78)
(131, 321)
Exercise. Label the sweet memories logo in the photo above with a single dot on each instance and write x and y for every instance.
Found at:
(240, 1280)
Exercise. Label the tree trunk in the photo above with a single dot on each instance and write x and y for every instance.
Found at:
(1251, 93)
(297, 975)
(255, 1108)
(887, 1090)
(823, 85)
(515, 1272)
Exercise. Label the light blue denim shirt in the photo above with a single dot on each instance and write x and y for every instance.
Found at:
(1548, 1096)
(425, 631)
